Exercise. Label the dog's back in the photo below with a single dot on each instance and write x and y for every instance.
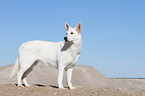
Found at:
(32, 51)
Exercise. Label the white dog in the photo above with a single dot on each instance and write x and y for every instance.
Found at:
(62, 55)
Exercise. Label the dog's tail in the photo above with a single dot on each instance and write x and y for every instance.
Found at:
(15, 69)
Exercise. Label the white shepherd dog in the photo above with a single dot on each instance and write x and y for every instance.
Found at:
(62, 55)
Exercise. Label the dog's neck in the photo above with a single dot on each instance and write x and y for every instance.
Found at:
(73, 48)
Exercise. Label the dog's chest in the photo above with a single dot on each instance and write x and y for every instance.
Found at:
(68, 56)
(71, 62)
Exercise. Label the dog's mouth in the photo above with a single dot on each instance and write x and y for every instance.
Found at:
(66, 40)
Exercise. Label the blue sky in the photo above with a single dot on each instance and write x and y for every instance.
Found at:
(113, 31)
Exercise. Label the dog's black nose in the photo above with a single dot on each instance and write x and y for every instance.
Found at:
(65, 38)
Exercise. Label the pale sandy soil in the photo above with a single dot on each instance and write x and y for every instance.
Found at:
(50, 90)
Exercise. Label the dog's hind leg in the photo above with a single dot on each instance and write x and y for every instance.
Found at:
(19, 77)
(25, 82)
(25, 68)
(27, 72)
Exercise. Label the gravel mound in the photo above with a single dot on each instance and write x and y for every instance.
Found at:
(82, 76)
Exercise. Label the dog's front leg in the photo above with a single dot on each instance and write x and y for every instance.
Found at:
(69, 77)
(60, 77)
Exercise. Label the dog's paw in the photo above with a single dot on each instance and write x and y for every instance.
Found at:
(28, 85)
(61, 88)
(72, 88)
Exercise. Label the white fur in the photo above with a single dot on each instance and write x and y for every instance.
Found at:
(62, 55)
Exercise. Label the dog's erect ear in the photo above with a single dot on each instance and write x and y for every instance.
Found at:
(78, 27)
(66, 26)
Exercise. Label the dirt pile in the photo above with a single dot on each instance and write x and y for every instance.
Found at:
(43, 74)
(82, 76)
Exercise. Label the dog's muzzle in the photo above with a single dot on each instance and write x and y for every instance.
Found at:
(66, 40)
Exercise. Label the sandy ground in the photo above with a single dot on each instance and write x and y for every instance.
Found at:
(51, 90)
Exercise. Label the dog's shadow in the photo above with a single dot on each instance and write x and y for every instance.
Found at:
(41, 85)
(54, 86)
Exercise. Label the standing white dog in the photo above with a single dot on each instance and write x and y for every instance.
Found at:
(62, 55)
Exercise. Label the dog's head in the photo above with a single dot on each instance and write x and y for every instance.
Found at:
(73, 34)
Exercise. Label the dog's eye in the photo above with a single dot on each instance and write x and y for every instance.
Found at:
(71, 33)
(66, 33)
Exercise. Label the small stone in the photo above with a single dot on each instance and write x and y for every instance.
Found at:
(96, 92)
(55, 93)
(91, 89)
